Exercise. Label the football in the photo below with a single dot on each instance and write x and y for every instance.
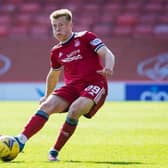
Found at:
(9, 148)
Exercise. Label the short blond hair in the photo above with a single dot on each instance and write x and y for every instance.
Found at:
(61, 12)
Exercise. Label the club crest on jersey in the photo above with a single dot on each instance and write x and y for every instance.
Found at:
(76, 43)
(60, 54)
(95, 42)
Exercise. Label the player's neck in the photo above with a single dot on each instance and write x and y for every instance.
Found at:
(67, 39)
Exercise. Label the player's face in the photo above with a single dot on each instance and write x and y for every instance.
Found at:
(62, 29)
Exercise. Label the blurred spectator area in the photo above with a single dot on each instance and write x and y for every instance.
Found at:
(135, 18)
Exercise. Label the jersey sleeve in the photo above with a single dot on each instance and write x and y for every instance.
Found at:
(94, 42)
(54, 64)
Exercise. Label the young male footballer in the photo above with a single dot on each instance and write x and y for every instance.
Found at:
(78, 54)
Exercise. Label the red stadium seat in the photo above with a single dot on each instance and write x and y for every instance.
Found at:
(143, 31)
(39, 31)
(91, 7)
(73, 7)
(113, 9)
(48, 8)
(106, 18)
(3, 31)
(81, 27)
(102, 30)
(148, 19)
(153, 7)
(5, 20)
(165, 8)
(84, 2)
(90, 10)
(162, 19)
(133, 6)
(122, 31)
(13, 1)
(53, 1)
(18, 31)
(127, 20)
(24, 19)
(42, 20)
(31, 7)
(86, 20)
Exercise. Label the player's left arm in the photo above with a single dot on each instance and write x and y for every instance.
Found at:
(109, 58)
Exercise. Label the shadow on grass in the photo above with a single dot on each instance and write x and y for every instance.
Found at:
(11, 162)
(105, 162)
(92, 162)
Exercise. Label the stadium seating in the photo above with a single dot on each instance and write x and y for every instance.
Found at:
(127, 20)
(103, 30)
(122, 30)
(143, 31)
(3, 31)
(39, 31)
(105, 17)
(134, 6)
(5, 20)
(13, 1)
(18, 31)
(31, 7)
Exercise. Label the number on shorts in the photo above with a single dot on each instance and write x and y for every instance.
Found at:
(93, 89)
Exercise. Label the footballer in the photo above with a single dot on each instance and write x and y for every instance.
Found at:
(78, 55)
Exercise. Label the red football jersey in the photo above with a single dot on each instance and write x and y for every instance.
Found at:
(78, 57)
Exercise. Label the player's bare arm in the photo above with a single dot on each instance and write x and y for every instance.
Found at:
(51, 82)
(109, 57)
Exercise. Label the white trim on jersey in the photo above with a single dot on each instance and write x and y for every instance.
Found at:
(99, 46)
(99, 95)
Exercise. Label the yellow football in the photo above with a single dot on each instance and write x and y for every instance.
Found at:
(9, 148)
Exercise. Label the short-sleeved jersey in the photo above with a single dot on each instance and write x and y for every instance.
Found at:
(78, 57)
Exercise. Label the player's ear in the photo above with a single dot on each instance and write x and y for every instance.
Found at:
(71, 24)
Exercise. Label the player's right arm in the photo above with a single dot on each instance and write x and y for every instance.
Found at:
(51, 82)
(53, 74)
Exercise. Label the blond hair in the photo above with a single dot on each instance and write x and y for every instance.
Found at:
(61, 12)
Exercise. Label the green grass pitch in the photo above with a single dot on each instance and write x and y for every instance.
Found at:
(121, 135)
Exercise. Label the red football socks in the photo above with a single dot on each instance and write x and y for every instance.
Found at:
(39, 120)
(35, 124)
(65, 133)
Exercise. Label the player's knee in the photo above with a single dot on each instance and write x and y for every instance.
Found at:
(47, 107)
(75, 112)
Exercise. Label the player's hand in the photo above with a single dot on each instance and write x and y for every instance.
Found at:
(105, 72)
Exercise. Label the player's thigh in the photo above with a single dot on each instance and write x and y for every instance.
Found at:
(96, 107)
(54, 104)
(97, 92)
(80, 106)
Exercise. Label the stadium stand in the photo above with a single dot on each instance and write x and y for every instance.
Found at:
(142, 31)
(105, 17)
(3, 31)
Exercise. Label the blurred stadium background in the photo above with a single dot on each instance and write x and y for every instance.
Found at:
(135, 30)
